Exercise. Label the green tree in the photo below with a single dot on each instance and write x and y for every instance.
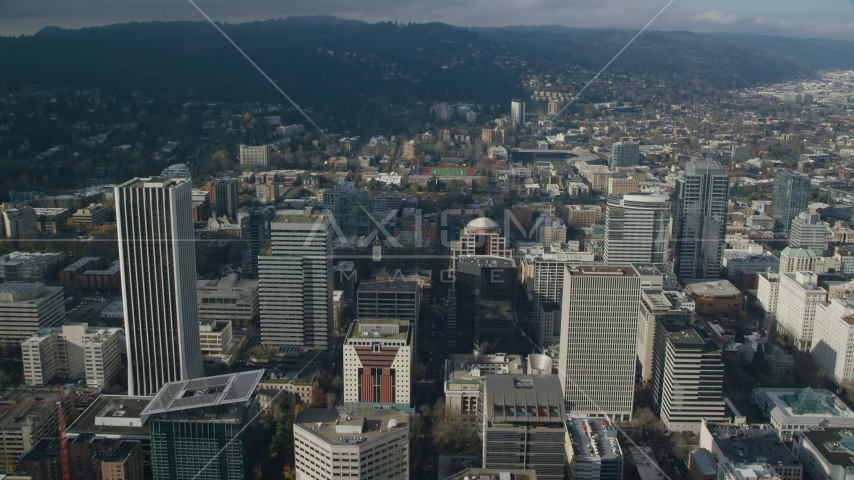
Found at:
(759, 365)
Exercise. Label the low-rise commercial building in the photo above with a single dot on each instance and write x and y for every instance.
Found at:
(702, 465)
(352, 443)
(24, 420)
(91, 457)
(228, 299)
(743, 471)
(716, 298)
(730, 443)
(826, 453)
(582, 216)
(95, 214)
(115, 417)
(465, 374)
(29, 266)
(791, 410)
(50, 221)
(26, 308)
(592, 449)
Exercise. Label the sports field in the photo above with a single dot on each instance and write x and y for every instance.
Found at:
(448, 171)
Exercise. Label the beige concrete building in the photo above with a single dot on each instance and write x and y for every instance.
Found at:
(378, 357)
(355, 444)
(95, 214)
(26, 308)
(22, 425)
(228, 299)
(797, 260)
(74, 352)
(798, 300)
(254, 156)
(622, 186)
(583, 216)
(598, 339)
(465, 373)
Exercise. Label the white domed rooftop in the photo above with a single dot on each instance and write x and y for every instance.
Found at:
(482, 223)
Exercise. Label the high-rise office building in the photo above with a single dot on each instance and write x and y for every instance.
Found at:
(524, 424)
(197, 426)
(655, 305)
(637, 229)
(363, 443)
(687, 375)
(700, 222)
(481, 236)
(348, 207)
(486, 304)
(624, 154)
(598, 339)
(791, 196)
(388, 299)
(808, 231)
(833, 339)
(254, 234)
(157, 257)
(798, 299)
(378, 356)
(296, 281)
(517, 113)
(548, 288)
(225, 193)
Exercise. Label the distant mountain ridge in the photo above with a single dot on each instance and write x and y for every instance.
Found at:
(353, 70)
(813, 53)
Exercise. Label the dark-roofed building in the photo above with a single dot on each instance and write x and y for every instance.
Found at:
(486, 304)
(736, 444)
(90, 458)
(826, 453)
(493, 474)
(702, 465)
(191, 420)
(524, 424)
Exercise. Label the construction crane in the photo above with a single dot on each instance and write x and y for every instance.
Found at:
(59, 401)
(63, 441)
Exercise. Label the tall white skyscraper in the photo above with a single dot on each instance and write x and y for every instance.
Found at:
(598, 339)
(637, 229)
(699, 228)
(517, 113)
(157, 257)
(295, 274)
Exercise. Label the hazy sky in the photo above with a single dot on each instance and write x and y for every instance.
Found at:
(815, 18)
